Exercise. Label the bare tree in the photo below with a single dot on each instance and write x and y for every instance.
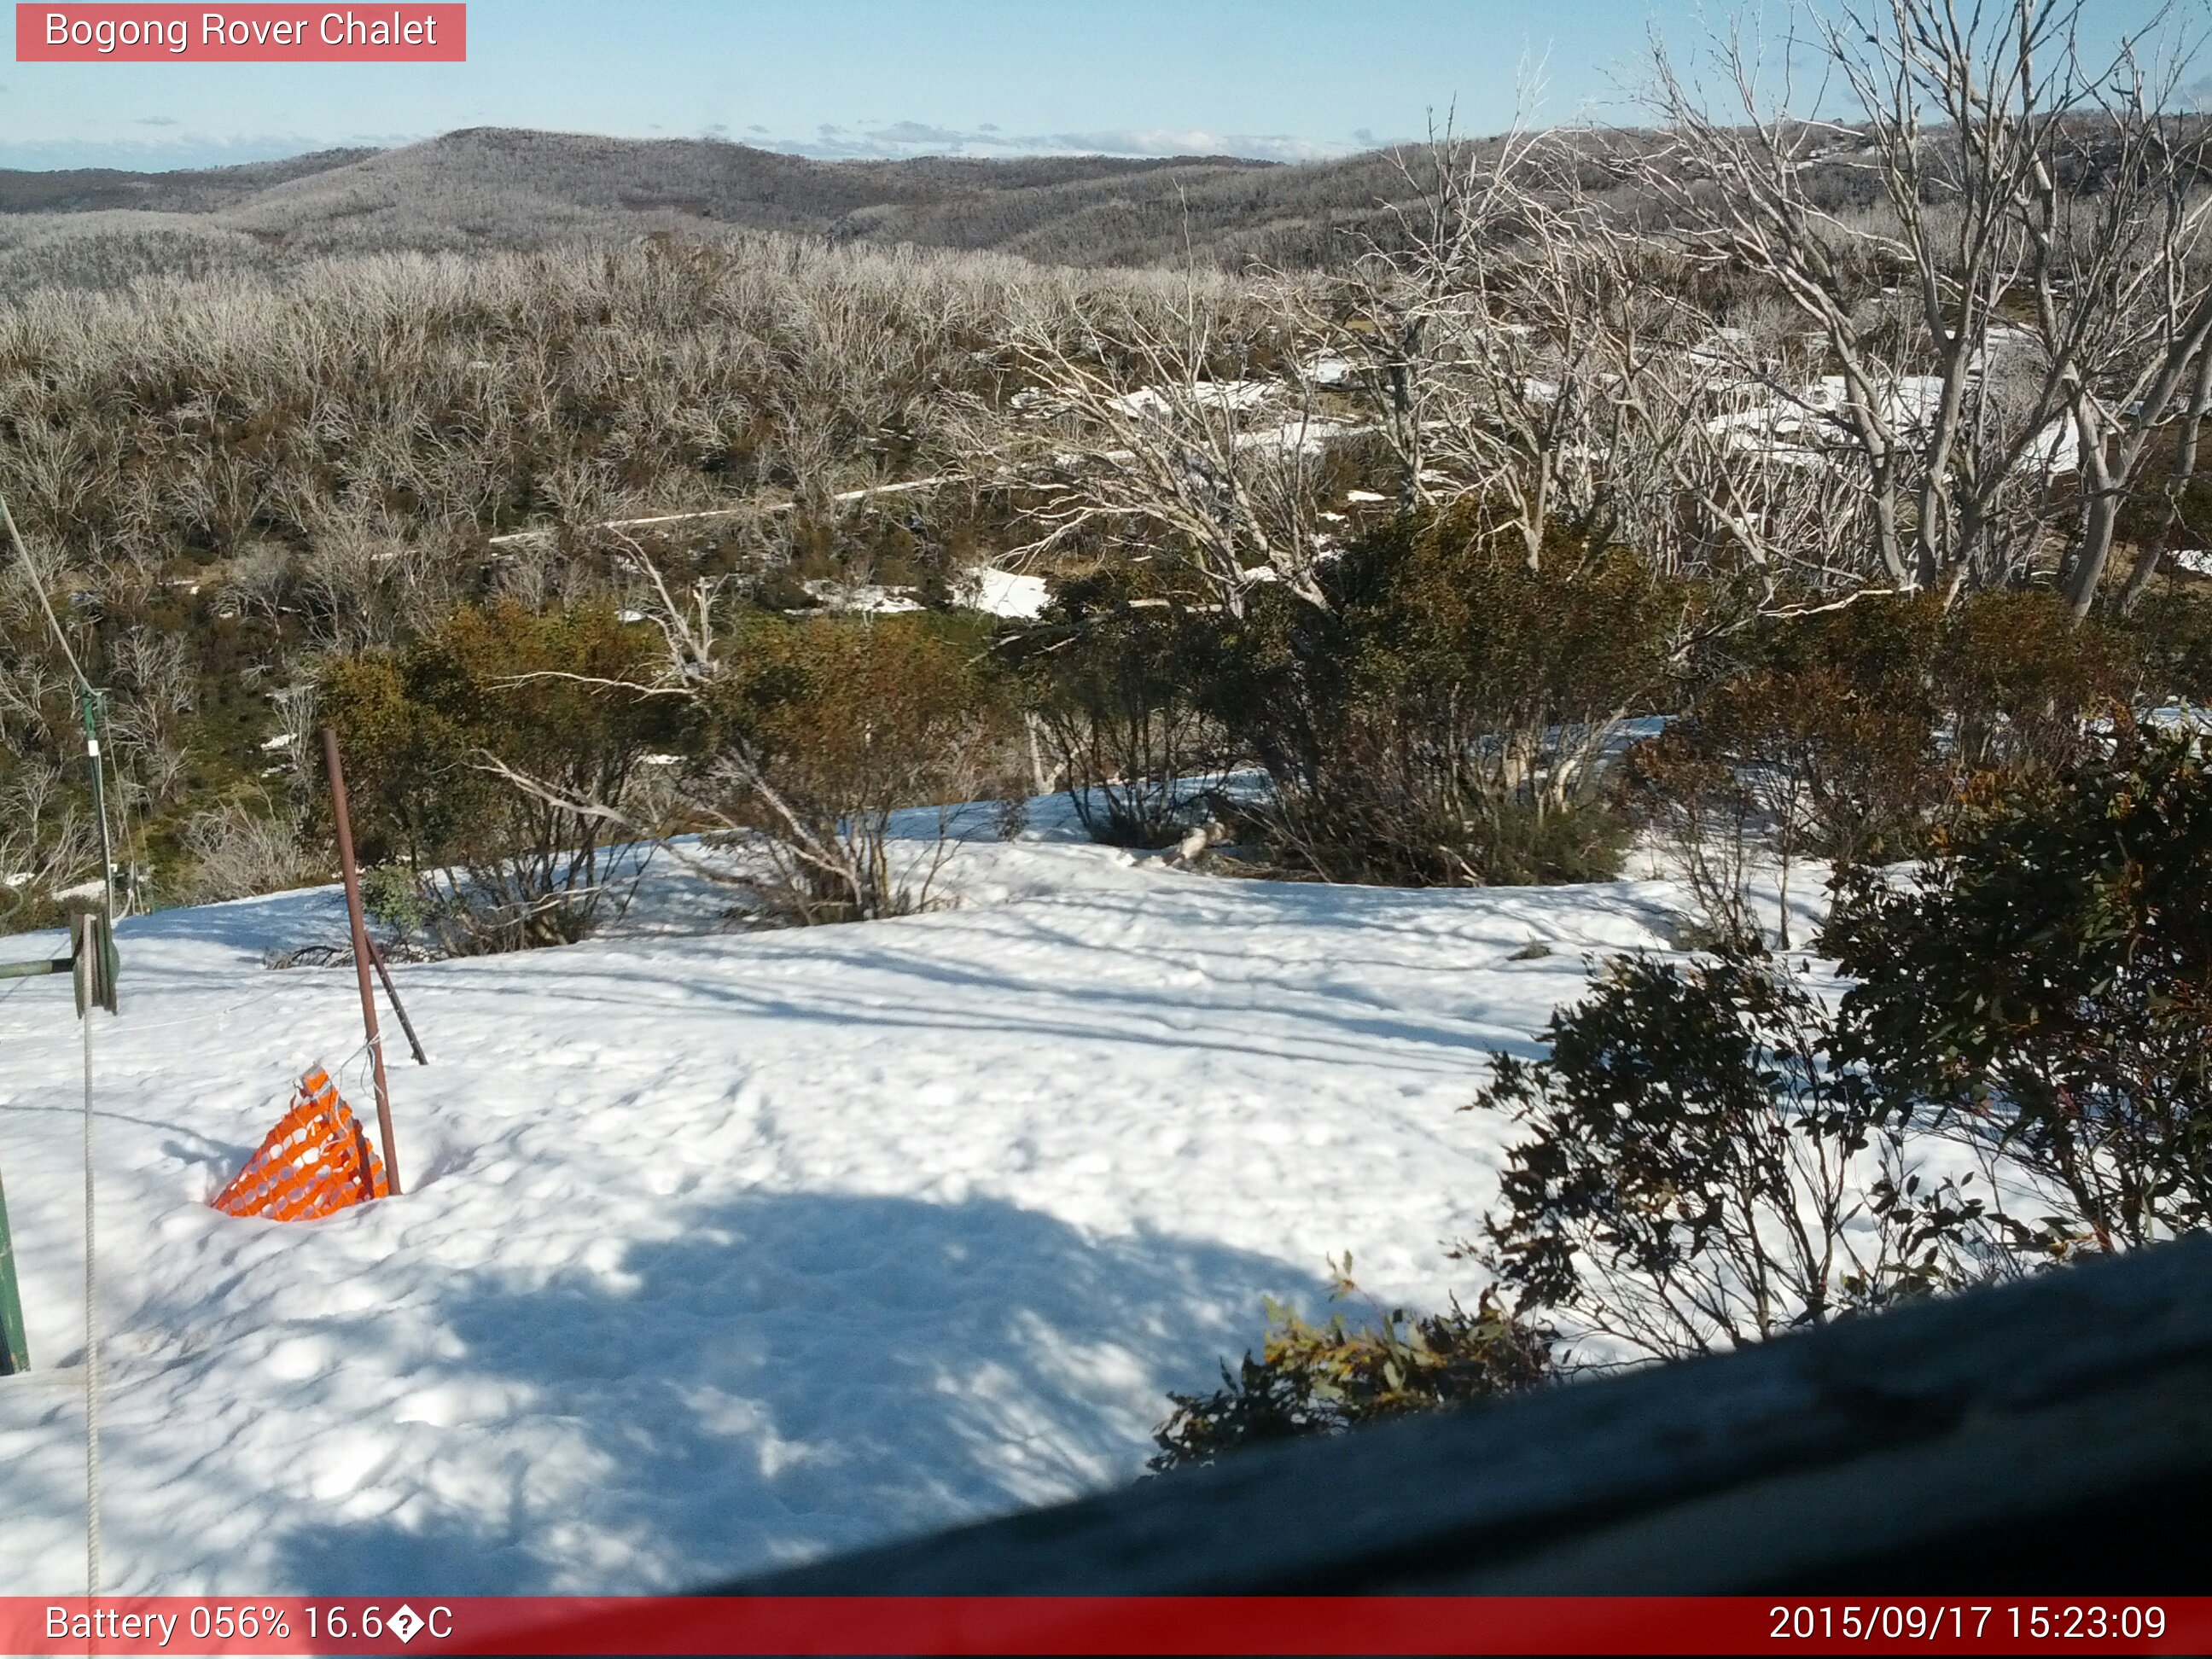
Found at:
(1532, 349)
(1141, 427)
(243, 847)
(46, 839)
(1527, 354)
(2023, 304)
(807, 815)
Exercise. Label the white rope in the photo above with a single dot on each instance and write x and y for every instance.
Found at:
(361, 1080)
(337, 1072)
(91, 1333)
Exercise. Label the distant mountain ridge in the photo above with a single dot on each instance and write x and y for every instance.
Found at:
(487, 186)
(188, 190)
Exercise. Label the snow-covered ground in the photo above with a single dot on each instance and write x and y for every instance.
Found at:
(721, 1250)
(1006, 593)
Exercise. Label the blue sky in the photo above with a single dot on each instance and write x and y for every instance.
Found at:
(1284, 79)
(1281, 79)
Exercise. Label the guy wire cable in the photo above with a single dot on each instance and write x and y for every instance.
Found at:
(38, 587)
(91, 1326)
(87, 951)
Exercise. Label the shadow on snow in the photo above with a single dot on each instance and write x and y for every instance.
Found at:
(798, 1374)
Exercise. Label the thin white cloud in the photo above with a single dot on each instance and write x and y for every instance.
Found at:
(896, 140)
(164, 149)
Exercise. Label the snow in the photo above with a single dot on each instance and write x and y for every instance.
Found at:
(1004, 593)
(2180, 717)
(1304, 437)
(1150, 402)
(1804, 428)
(2057, 449)
(720, 1250)
(858, 599)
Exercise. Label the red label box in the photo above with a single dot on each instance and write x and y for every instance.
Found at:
(117, 32)
(169, 1626)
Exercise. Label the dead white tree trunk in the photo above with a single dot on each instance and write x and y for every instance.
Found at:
(2027, 302)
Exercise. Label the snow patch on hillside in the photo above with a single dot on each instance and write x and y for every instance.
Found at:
(1004, 593)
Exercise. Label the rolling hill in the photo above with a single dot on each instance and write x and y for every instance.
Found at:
(490, 188)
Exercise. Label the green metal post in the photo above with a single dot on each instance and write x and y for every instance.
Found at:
(15, 1348)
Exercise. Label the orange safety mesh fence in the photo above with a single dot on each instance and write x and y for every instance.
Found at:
(316, 1160)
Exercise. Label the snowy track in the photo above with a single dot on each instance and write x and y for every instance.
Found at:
(723, 1251)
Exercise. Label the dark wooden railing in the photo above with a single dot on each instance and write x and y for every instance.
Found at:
(2053, 1437)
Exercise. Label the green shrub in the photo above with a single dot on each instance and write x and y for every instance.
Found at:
(1687, 1181)
(389, 895)
(1715, 1155)
(821, 728)
(1111, 673)
(2046, 981)
(1319, 1380)
(2170, 634)
(485, 757)
(1442, 721)
(1706, 1169)
(1849, 734)
(2017, 681)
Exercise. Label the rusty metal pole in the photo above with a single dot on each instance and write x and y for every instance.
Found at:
(384, 974)
(360, 953)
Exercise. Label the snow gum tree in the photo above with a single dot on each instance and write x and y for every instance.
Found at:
(1995, 241)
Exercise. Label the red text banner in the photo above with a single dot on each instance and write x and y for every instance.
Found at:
(117, 32)
(1127, 1625)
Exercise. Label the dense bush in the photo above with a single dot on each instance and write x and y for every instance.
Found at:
(432, 399)
(819, 730)
(487, 758)
(1443, 719)
(1717, 1153)
(1318, 1380)
(2170, 634)
(2016, 683)
(1847, 735)
(2045, 979)
(1694, 1160)
(225, 484)
(1112, 673)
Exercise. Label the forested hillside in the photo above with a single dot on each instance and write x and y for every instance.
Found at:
(488, 188)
